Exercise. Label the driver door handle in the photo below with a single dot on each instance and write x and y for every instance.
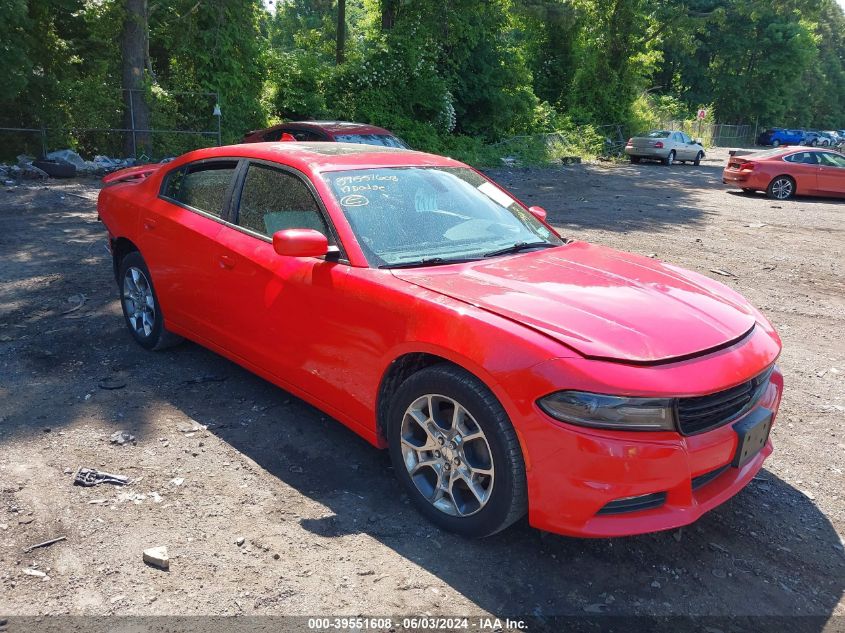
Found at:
(226, 262)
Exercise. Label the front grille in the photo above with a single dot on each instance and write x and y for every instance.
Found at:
(706, 478)
(703, 413)
(634, 504)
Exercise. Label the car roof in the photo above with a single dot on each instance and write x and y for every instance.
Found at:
(317, 156)
(335, 127)
(788, 149)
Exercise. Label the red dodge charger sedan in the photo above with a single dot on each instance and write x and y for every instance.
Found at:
(788, 171)
(506, 369)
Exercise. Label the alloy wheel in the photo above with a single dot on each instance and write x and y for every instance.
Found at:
(447, 455)
(782, 188)
(138, 301)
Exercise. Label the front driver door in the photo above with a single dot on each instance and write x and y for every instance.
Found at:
(282, 312)
(831, 174)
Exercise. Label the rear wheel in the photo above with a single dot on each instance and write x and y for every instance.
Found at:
(776, 143)
(781, 188)
(140, 305)
(635, 159)
(456, 453)
(670, 159)
(698, 158)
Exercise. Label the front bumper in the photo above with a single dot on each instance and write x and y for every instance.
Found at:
(593, 468)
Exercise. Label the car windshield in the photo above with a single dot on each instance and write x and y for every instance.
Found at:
(385, 140)
(405, 216)
(658, 134)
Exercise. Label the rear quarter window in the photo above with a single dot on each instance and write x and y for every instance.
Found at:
(202, 186)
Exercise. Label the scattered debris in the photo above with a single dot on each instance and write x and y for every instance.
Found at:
(199, 380)
(90, 477)
(157, 557)
(756, 225)
(655, 584)
(122, 437)
(111, 383)
(79, 301)
(45, 544)
(598, 607)
(35, 572)
(240, 541)
(177, 481)
(724, 273)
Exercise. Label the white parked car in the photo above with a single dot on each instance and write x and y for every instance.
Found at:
(667, 146)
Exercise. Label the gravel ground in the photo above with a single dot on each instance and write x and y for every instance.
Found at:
(269, 507)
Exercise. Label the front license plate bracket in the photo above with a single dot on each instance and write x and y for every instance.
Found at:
(752, 433)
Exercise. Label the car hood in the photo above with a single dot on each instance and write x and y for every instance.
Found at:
(600, 302)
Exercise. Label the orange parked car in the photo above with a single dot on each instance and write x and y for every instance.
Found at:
(785, 172)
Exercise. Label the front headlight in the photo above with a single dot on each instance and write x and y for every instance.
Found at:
(611, 412)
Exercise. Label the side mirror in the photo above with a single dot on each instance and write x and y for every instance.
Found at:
(287, 136)
(699, 141)
(539, 213)
(300, 243)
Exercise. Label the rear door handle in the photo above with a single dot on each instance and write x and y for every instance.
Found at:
(149, 224)
(226, 262)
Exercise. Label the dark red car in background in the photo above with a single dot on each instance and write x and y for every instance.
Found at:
(330, 131)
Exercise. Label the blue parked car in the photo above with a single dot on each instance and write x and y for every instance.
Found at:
(777, 136)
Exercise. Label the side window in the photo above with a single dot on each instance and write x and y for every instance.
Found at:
(273, 200)
(831, 160)
(806, 158)
(273, 135)
(202, 186)
(305, 135)
(686, 139)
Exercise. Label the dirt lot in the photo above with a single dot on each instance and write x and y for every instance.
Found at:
(221, 455)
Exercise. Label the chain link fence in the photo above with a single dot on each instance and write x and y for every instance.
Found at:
(179, 122)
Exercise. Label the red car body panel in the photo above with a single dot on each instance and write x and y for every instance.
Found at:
(576, 317)
(751, 172)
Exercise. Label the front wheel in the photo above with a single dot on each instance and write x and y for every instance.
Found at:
(670, 159)
(456, 453)
(635, 159)
(698, 158)
(781, 188)
(139, 301)
(776, 143)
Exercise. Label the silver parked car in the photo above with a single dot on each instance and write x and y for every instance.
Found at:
(667, 146)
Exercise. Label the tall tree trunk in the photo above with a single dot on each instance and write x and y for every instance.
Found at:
(134, 47)
(341, 30)
(388, 14)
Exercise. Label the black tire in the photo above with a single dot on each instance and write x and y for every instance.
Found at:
(635, 159)
(698, 158)
(670, 159)
(814, 142)
(158, 337)
(781, 188)
(508, 497)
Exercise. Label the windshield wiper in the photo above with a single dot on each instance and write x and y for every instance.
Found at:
(430, 261)
(519, 246)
